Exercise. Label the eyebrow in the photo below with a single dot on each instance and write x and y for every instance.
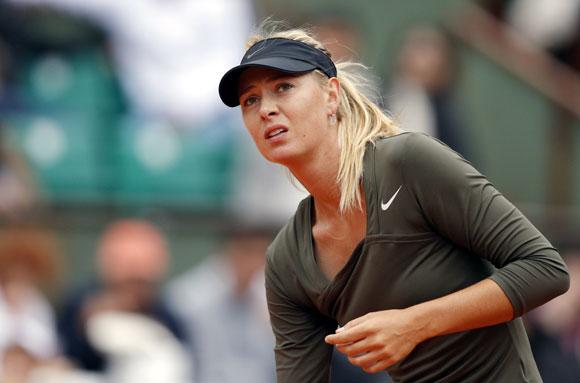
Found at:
(269, 79)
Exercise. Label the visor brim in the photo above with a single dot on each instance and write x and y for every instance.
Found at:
(229, 84)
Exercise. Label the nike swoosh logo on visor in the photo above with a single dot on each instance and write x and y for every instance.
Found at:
(253, 53)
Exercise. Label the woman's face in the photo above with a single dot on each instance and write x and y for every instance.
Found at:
(287, 115)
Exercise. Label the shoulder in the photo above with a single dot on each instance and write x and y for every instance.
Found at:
(393, 150)
(398, 146)
(411, 150)
(417, 160)
(387, 155)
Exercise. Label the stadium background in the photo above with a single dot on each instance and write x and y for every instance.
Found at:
(98, 175)
(93, 164)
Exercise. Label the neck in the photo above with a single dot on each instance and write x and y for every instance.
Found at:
(317, 174)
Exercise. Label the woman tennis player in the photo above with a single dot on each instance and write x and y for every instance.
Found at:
(404, 256)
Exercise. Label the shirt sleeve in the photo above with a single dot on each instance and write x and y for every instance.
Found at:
(462, 205)
(301, 353)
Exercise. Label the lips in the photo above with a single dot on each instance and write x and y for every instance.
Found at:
(274, 131)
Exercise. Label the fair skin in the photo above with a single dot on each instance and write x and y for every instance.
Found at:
(288, 118)
(307, 146)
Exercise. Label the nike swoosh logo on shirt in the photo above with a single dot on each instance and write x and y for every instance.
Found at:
(385, 206)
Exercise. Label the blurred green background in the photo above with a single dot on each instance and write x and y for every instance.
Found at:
(88, 152)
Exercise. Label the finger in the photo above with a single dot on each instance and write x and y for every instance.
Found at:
(357, 321)
(347, 335)
(374, 361)
(365, 360)
(356, 348)
(381, 365)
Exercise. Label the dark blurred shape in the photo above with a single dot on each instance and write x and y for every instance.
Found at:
(132, 258)
(9, 99)
(222, 302)
(37, 28)
(497, 8)
(29, 266)
(422, 94)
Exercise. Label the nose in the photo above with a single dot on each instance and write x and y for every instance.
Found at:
(268, 108)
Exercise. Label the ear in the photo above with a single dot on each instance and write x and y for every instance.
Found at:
(333, 95)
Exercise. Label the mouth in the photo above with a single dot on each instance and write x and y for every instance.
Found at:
(274, 131)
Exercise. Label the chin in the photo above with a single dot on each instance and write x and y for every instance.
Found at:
(280, 156)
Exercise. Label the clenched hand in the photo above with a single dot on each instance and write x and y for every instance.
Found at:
(379, 339)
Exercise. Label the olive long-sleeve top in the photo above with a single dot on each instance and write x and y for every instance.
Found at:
(435, 225)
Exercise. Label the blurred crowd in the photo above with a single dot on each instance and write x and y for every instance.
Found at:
(551, 25)
(125, 325)
(134, 321)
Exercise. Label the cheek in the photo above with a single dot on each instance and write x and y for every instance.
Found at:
(312, 108)
(252, 127)
(313, 118)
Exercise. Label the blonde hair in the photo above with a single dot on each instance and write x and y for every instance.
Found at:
(359, 119)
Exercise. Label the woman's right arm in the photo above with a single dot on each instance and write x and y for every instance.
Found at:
(301, 353)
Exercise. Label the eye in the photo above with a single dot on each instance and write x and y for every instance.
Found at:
(249, 101)
(283, 87)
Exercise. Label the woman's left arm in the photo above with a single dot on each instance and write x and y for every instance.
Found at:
(464, 207)
(380, 339)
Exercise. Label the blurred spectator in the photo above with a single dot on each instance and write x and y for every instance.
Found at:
(554, 331)
(18, 194)
(224, 305)
(139, 349)
(421, 98)
(132, 259)
(552, 25)
(339, 35)
(168, 54)
(29, 262)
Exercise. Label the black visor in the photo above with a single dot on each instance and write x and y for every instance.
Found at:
(285, 55)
